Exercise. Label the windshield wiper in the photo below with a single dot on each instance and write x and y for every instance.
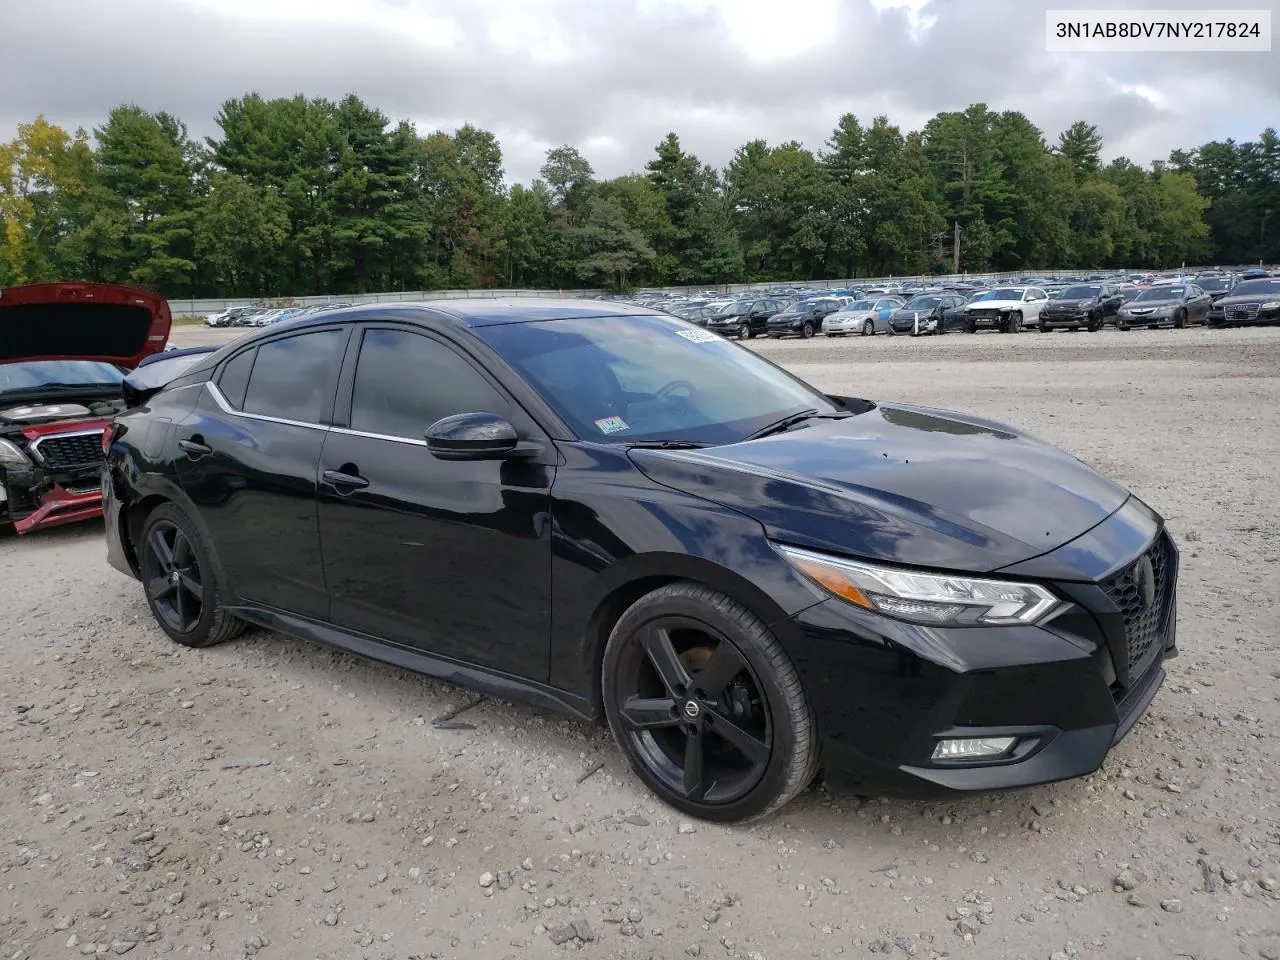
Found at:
(668, 444)
(790, 421)
(45, 387)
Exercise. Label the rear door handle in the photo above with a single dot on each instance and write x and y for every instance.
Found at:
(336, 478)
(195, 448)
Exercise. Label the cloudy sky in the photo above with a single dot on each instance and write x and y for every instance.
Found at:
(612, 76)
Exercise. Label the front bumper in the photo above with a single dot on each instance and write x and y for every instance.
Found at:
(1220, 316)
(1145, 320)
(886, 692)
(50, 491)
(1076, 318)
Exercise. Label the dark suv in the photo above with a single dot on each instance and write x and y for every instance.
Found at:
(803, 318)
(745, 318)
(1088, 305)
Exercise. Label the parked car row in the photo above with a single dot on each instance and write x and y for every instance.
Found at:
(265, 316)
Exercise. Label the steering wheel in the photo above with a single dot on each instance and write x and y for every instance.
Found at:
(668, 388)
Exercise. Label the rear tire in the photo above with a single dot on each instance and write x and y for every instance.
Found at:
(806, 330)
(706, 706)
(180, 581)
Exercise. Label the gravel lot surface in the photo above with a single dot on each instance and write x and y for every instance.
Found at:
(274, 799)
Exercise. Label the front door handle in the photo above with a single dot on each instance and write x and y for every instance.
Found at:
(195, 448)
(337, 478)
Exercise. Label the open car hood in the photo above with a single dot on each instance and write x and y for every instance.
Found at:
(82, 321)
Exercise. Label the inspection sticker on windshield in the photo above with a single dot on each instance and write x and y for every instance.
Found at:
(699, 336)
(611, 425)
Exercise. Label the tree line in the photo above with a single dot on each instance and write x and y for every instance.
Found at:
(305, 195)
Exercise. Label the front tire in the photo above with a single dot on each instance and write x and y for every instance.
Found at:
(806, 330)
(868, 328)
(1015, 323)
(181, 583)
(744, 331)
(1180, 320)
(706, 706)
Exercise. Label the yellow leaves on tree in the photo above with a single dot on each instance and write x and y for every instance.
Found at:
(37, 169)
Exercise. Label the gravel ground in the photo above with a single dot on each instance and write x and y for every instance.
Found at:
(274, 799)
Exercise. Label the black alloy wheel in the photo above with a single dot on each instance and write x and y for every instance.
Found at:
(706, 706)
(806, 330)
(179, 581)
(868, 328)
(744, 330)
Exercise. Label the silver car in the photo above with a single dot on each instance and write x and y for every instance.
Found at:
(865, 317)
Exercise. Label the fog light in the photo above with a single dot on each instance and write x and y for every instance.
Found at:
(973, 748)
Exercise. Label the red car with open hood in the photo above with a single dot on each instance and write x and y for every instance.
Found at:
(65, 349)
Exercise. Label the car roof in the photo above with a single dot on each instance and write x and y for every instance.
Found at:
(476, 311)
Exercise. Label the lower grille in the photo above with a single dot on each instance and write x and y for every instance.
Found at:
(69, 451)
(1143, 592)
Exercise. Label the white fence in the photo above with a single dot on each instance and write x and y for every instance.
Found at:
(214, 305)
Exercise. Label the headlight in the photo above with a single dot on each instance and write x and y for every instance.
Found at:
(1271, 305)
(936, 599)
(11, 456)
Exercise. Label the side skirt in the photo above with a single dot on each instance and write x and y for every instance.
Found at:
(490, 682)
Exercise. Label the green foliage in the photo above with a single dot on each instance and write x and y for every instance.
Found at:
(304, 195)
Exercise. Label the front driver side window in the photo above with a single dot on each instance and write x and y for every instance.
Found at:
(405, 382)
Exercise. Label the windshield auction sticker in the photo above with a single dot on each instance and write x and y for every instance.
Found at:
(699, 336)
(611, 425)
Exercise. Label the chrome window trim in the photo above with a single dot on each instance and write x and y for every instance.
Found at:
(35, 444)
(347, 431)
(228, 409)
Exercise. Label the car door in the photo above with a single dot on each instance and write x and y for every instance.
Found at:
(761, 311)
(952, 315)
(1112, 299)
(452, 558)
(1197, 303)
(250, 448)
(1033, 301)
(883, 311)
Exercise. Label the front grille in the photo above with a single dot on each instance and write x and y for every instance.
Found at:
(1244, 311)
(1146, 628)
(69, 452)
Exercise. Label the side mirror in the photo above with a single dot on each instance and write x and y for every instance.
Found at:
(472, 436)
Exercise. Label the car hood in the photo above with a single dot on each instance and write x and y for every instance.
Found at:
(1232, 299)
(1070, 304)
(903, 484)
(995, 304)
(82, 321)
(904, 314)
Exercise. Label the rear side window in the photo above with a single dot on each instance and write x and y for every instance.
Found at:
(234, 379)
(405, 382)
(293, 378)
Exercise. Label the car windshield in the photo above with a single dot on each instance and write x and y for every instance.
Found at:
(1078, 293)
(1212, 283)
(627, 379)
(922, 303)
(1160, 293)
(38, 374)
(1250, 288)
(1002, 293)
(734, 309)
(858, 306)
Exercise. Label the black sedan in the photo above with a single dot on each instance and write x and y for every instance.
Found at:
(803, 318)
(1086, 306)
(616, 514)
(1250, 303)
(1165, 305)
(1216, 285)
(744, 318)
(931, 313)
